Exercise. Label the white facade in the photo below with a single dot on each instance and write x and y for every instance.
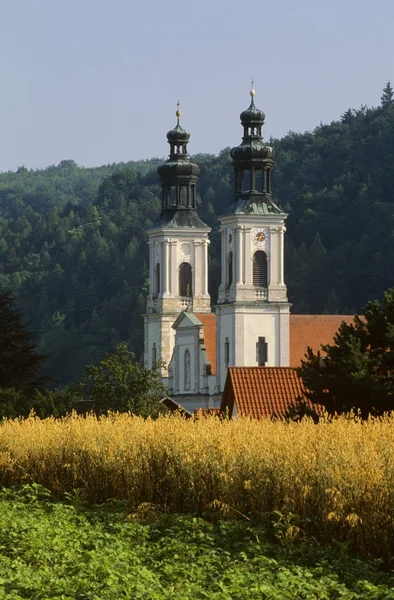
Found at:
(240, 236)
(169, 249)
(190, 366)
(247, 314)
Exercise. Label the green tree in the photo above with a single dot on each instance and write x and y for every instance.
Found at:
(387, 97)
(20, 364)
(119, 383)
(357, 371)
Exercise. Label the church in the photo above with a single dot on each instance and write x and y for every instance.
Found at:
(251, 325)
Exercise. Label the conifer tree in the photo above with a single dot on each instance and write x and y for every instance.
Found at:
(387, 97)
(20, 364)
(357, 371)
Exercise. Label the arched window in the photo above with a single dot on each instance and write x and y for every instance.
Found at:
(185, 279)
(230, 269)
(260, 271)
(187, 373)
(157, 279)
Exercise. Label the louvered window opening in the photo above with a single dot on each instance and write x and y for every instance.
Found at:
(185, 280)
(260, 271)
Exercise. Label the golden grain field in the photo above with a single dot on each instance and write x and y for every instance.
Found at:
(337, 478)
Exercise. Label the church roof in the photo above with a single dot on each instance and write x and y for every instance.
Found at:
(209, 322)
(305, 330)
(254, 204)
(312, 330)
(189, 316)
(261, 392)
(173, 218)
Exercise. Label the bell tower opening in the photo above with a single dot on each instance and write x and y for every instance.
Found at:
(185, 280)
(260, 270)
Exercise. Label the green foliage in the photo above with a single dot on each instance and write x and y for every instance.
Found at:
(43, 403)
(70, 552)
(120, 384)
(20, 364)
(358, 369)
(299, 410)
(388, 95)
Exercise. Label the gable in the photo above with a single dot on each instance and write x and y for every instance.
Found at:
(186, 319)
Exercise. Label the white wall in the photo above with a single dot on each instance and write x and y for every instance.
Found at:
(243, 325)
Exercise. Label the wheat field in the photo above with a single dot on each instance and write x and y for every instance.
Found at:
(331, 480)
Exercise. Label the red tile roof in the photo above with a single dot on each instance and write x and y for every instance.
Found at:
(209, 322)
(305, 330)
(312, 330)
(261, 392)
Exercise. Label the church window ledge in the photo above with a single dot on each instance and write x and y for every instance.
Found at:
(261, 293)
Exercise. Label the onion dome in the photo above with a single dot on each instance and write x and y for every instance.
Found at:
(252, 146)
(178, 177)
(253, 162)
(178, 138)
(252, 116)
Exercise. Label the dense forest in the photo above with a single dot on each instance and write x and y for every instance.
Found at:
(73, 240)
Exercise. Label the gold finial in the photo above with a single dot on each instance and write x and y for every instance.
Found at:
(252, 90)
(178, 112)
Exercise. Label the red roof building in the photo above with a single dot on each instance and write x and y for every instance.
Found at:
(262, 392)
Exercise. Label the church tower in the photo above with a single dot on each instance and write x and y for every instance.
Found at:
(178, 252)
(253, 312)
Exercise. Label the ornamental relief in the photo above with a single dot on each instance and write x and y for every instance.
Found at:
(185, 249)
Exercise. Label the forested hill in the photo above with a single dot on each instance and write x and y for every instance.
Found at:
(73, 240)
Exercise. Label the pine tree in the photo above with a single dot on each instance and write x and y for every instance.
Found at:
(387, 97)
(20, 364)
(357, 371)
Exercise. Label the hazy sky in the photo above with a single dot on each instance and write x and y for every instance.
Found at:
(97, 81)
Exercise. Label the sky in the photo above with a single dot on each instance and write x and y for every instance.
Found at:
(97, 81)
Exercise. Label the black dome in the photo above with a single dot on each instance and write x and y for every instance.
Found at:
(175, 170)
(178, 135)
(252, 115)
(255, 150)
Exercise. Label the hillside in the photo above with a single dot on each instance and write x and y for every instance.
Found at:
(73, 240)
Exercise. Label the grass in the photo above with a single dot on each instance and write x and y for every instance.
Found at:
(72, 550)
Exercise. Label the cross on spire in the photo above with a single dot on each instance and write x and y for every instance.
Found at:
(178, 111)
